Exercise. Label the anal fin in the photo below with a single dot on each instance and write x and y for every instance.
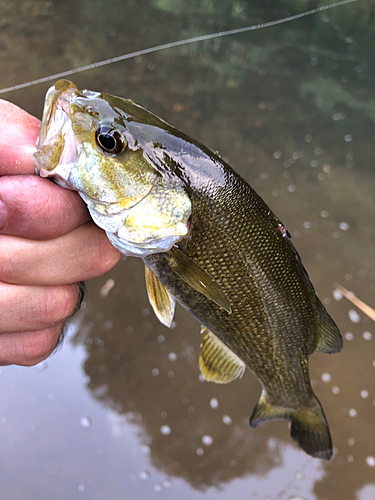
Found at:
(163, 303)
(265, 411)
(216, 361)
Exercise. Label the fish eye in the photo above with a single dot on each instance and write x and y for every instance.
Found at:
(110, 140)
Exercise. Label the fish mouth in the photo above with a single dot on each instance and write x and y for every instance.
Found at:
(56, 109)
(57, 147)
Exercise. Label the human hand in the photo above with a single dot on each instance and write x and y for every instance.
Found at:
(48, 244)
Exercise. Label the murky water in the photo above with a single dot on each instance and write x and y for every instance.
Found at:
(120, 411)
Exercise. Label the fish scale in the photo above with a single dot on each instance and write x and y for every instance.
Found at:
(246, 331)
(264, 281)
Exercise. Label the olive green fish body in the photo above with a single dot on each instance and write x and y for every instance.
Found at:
(207, 240)
(276, 317)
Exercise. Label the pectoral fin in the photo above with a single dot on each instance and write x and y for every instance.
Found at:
(216, 361)
(163, 303)
(198, 278)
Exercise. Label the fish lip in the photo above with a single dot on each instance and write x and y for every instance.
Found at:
(58, 98)
(57, 146)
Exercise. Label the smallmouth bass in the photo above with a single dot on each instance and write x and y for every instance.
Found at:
(207, 240)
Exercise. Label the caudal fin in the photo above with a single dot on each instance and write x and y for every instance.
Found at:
(309, 427)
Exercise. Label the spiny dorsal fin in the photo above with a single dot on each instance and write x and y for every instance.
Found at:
(329, 337)
(308, 427)
(216, 361)
(163, 303)
(198, 278)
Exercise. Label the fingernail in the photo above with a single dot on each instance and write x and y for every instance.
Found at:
(3, 214)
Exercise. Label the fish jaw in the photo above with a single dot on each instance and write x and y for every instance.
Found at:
(58, 148)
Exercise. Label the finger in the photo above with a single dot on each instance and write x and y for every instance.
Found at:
(18, 139)
(36, 307)
(44, 211)
(30, 347)
(82, 254)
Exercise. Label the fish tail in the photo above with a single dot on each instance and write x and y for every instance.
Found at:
(309, 427)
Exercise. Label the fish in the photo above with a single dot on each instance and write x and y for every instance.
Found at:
(208, 242)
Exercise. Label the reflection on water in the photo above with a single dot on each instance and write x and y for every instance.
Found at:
(121, 410)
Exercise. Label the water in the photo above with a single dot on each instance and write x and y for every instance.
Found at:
(120, 410)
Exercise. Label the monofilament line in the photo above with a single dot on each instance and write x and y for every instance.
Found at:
(171, 45)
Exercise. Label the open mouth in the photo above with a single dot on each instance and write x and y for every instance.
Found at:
(57, 148)
(56, 110)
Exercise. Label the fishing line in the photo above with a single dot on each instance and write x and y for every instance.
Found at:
(174, 44)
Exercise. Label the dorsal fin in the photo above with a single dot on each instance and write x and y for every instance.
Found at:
(163, 303)
(216, 361)
(198, 278)
(329, 339)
